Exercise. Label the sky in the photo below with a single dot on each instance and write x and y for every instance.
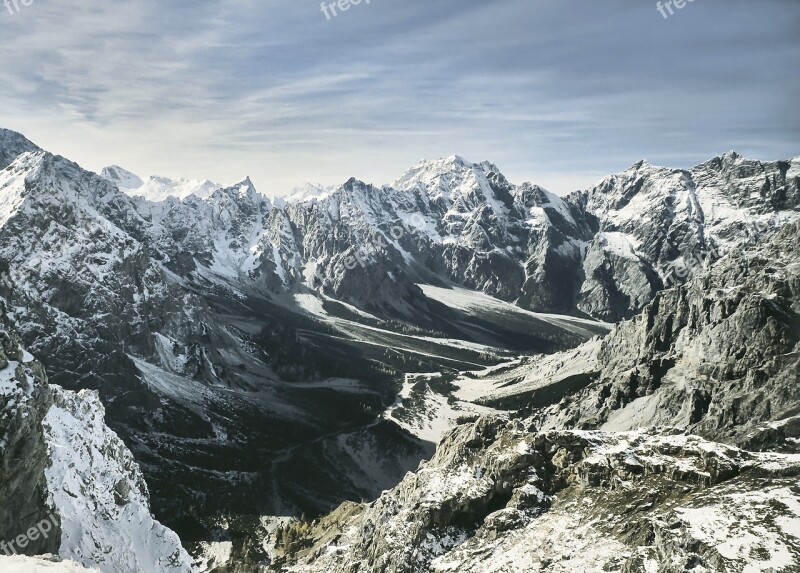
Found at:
(558, 92)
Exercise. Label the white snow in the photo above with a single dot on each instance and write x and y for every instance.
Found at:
(43, 564)
(471, 301)
(309, 192)
(12, 184)
(213, 554)
(100, 494)
(310, 304)
(619, 244)
(182, 389)
(436, 416)
(8, 381)
(738, 528)
(156, 188)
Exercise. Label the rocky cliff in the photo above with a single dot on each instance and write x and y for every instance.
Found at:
(502, 496)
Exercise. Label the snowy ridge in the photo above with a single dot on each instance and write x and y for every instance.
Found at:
(100, 494)
(156, 188)
(234, 327)
(309, 192)
(20, 564)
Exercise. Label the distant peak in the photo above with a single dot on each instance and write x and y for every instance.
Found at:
(245, 187)
(12, 145)
(309, 192)
(121, 177)
(246, 182)
(8, 135)
(245, 191)
(458, 159)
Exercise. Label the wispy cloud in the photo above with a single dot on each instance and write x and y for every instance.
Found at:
(555, 91)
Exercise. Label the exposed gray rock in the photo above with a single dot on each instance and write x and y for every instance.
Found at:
(498, 496)
(718, 356)
(618, 282)
(245, 346)
(25, 399)
(68, 485)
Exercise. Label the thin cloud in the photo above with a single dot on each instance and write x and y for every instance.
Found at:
(559, 92)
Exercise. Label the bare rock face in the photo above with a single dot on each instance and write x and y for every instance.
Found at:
(25, 399)
(12, 145)
(248, 349)
(618, 282)
(718, 356)
(615, 477)
(676, 221)
(498, 496)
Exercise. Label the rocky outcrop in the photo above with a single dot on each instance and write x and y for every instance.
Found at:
(634, 472)
(100, 494)
(25, 400)
(619, 281)
(240, 344)
(12, 145)
(718, 356)
(499, 496)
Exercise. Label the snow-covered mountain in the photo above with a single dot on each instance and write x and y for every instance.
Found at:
(601, 467)
(156, 188)
(307, 192)
(269, 358)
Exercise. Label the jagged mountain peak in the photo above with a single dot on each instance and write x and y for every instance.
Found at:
(209, 301)
(309, 192)
(157, 188)
(432, 171)
(244, 194)
(124, 179)
(245, 186)
(12, 145)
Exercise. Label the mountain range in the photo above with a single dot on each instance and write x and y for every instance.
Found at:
(263, 365)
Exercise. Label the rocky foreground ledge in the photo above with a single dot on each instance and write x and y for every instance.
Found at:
(499, 496)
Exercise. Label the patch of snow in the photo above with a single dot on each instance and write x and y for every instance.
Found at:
(309, 192)
(100, 493)
(619, 244)
(156, 188)
(43, 564)
(310, 304)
